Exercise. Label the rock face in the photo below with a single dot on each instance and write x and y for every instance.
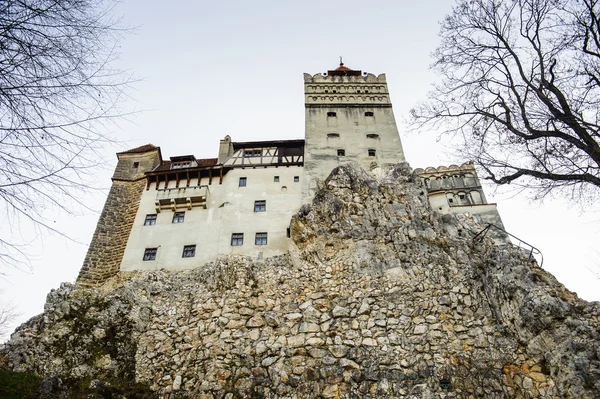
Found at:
(381, 297)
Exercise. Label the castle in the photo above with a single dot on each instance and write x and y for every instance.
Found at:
(183, 212)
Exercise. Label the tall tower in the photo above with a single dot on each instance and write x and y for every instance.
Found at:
(349, 117)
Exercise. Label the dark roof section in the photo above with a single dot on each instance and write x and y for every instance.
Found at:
(183, 158)
(344, 71)
(272, 143)
(202, 163)
(141, 149)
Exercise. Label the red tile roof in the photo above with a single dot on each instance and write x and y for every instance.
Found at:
(141, 149)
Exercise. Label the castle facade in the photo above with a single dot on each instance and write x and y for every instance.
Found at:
(183, 212)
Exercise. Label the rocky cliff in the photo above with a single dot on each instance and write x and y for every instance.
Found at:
(380, 297)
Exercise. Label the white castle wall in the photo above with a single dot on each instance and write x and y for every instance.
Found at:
(350, 130)
(230, 209)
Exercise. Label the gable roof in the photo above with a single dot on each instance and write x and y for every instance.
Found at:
(144, 148)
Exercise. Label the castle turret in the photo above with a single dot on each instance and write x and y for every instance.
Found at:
(108, 243)
(349, 117)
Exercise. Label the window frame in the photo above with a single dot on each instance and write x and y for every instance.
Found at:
(237, 239)
(150, 219)
(372, 152)
(261, 238)
(243, 182)
(181, 165)
(260, 206)
(296, 179)
(253, 153)
(178, 217)
(150, 254)
(275, 179)
(189, 251)
(341, 152)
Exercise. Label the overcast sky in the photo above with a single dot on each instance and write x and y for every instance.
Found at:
(208, 69)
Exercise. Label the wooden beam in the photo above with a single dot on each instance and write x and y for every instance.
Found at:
(210, 176)
(221, 176)
(156, 186)
(176, 180)
(187, 174)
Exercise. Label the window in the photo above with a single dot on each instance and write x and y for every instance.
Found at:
(260, 206)
(331, 114)
(276, 179)
(178, 217)
(252, 153)
(296, 179)
(333, 135)
(150, 220)
(369, 114)
(242, 182)
(237, 239)
(371, 153)
(288, 233)
(189, 251)
(135, 165)
(372, 136)
(260, 239)
(341, 153)
(150, 253)
(179, 165)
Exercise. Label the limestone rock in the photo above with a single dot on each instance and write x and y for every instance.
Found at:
(378, 297)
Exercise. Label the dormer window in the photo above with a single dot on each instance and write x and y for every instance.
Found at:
(331, 114)
(180, 165)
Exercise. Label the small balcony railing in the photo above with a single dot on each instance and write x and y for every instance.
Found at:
(181, 198)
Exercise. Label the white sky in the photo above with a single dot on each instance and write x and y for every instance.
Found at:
(208, 69)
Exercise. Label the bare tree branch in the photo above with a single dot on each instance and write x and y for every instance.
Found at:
(58, 98)
(521, 87)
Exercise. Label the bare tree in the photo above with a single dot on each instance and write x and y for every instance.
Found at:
(8, 315)
(57, 93)
(520, 90)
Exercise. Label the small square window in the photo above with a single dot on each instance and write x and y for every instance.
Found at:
(189, 251)
(260, 206)
(260, 239)
(150, 253)
(276, 179)
(237, 239)
(242, 182)
(296, 179)
(150, 220)
(135, 165)
(371, 153)
(341, 153)
(178, 217)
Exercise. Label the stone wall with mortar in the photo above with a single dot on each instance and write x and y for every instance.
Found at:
(380, 298)
(106, 250)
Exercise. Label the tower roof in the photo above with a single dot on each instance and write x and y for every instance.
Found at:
(343, 70)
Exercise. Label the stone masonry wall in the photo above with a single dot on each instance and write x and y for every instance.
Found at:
(380, 298)
(105, 253)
